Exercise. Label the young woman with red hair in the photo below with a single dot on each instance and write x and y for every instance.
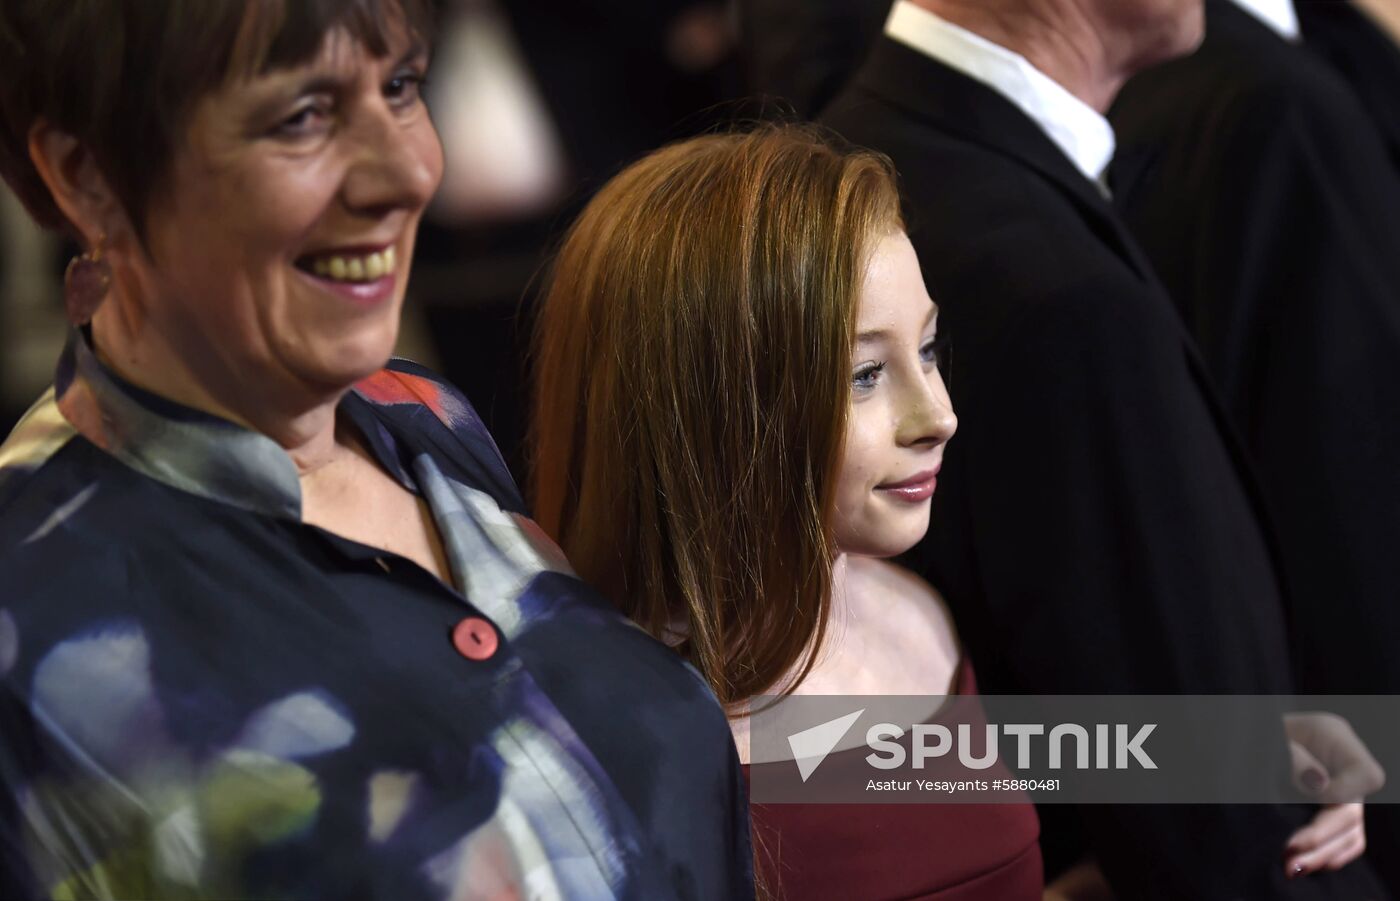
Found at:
(739, 418)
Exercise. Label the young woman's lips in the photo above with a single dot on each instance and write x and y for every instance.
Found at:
(915, 489)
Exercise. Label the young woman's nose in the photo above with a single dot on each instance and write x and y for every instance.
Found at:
(927, 417)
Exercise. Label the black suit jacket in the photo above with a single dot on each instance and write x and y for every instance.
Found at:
(1262, 192)
(1364, 55)
(1269, 202)
(1094, 530)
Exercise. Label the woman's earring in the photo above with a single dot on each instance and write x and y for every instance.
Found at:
(85, 284)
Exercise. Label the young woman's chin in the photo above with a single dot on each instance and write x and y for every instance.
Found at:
(882, 532)
(881, 546)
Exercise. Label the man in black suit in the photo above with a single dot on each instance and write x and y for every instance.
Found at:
(1270, 205)
(1096, 529)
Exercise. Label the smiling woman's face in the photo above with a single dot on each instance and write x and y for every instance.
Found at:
(900, 417)
(279, 248)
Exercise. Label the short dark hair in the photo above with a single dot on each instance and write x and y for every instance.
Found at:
(123, 76)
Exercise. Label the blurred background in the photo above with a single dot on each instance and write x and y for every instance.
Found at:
(538, 103)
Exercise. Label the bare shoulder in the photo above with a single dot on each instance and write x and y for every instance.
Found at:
(909, 604)
(894, 577)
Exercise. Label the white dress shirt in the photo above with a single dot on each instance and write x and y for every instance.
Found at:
(1076, 128)
(1277, 14)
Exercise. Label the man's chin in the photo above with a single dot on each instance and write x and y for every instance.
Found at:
(1183, 39)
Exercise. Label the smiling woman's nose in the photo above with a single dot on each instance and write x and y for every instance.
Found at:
(396, 166)
(927, 417)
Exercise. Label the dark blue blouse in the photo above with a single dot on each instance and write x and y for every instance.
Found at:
(201, 696)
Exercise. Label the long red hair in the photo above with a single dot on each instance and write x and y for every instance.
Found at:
(692, 383)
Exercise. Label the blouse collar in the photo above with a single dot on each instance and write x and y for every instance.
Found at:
(184, 448)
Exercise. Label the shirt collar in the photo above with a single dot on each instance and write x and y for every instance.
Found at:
(181, 447)
(1080, 132)
(1277, 14)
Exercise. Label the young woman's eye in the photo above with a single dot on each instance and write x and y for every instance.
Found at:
(934, 351)
(405, 88)
(866, 377)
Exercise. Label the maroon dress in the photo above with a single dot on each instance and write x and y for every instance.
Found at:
(900, 852)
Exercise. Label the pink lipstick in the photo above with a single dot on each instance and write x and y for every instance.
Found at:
(915, 489)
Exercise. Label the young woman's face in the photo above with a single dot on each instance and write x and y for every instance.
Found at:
(281, 251)
(900, 415)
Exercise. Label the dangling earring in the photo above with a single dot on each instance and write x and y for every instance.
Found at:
(85, 284)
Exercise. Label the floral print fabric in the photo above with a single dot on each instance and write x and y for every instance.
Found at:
(201, 696)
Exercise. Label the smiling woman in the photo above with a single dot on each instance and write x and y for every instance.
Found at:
(739, 415)
(275, 622)
(328, 164)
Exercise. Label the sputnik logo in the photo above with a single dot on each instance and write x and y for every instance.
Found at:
(810, 746)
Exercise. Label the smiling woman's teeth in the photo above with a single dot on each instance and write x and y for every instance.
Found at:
(365, 268)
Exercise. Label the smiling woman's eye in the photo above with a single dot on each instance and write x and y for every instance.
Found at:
(309, 118)
(405, 88)
(866, 377)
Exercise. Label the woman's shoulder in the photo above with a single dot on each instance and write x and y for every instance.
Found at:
(432, 415)
(877, 571)
(411, 390)
(64, 500)
(404, 382)
(895, 635)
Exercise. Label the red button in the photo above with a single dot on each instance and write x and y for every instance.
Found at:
(475, 639)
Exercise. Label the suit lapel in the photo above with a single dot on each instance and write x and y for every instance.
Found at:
(951, 102)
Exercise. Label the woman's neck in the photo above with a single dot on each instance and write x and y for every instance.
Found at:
(850, 604)
(843, 616)
(302, 422)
